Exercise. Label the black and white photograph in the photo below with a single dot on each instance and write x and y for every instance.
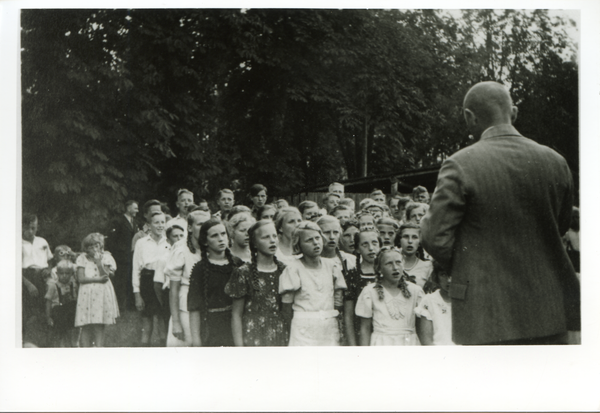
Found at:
(301, 176)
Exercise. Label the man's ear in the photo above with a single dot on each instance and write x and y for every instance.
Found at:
(513, 115)
(470, 117)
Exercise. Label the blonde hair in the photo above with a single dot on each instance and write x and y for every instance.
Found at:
(92, 239)
(303, 226)
(66, 265)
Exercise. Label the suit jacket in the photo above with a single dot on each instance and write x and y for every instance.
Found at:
(120, 234)
(495, 223)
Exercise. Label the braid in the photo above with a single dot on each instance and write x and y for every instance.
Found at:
(229, 257)
(358, 265)
(254, 273)
(343, 261)
(404, 287)
(190, 244)
(204, 305)
(379, 287)
(280, 265)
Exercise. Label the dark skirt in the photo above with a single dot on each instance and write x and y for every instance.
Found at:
(219, 330)
(151, 304)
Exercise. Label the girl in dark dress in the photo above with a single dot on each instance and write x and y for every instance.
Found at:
(256, 314)
(209, 306)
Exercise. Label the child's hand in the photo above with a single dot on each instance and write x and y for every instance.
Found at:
(104, 278)
(139, 302)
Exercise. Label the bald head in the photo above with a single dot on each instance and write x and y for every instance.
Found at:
(488, 104)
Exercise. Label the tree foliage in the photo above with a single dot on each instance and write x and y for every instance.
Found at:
(121, 104)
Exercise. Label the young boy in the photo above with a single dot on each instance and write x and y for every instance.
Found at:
(225, 201)
(330, 201)
(61, 301)
(185, 198)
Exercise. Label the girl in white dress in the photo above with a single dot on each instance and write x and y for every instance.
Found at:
(387, 307)
(96, 302)
(434, 313)
(313, 288)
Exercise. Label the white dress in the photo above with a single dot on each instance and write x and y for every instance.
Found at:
(314, 294)
(393, 317)
(96, 302)
(421, 271)
(435, 309)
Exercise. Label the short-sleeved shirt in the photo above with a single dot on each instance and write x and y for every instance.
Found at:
(180, 262)
(311, 289)
(179, 221)
(36, 253)
(435, 309)
(421, 271)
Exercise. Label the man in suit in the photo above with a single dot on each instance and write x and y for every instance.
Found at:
(120, 234)
(495, 223)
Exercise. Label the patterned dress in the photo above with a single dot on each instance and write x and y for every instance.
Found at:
(262, 321)
(356, 282)
(96, 302)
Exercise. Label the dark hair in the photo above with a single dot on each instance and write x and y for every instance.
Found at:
(29, 219)
(263, 208)
(173, 228)
(433, 283)
(340, 208)
(256, 188)
(151, 203)
(130, 202)
(575, 219)
(349, 224)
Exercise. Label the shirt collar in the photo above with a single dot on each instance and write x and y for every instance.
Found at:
(499, 130)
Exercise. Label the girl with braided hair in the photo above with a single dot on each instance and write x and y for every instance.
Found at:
(256, 318)
(313, 288)
(387, 307)
(368, 243)
(184, 254)
(208, 304)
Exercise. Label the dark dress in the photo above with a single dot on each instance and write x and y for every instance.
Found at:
(207, 295)
(262, 321)
(356, 282)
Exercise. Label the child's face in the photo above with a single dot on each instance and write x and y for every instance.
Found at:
(366, 222)
(265, 240)
(331, 232)
(290, 222)
(376, 212)
(311, 243)
(240, 234)
(64, 275)
(368, 246)
(94, 249)
(260, 199)
(175, 236)
(342, 215)
(217, 238)
(199, 219)
(409, 241)
(388, 234)
(445, 281)
(311, 214)
(225, 202)
(391, 267)
(417, 214)
(332, 202)
(268, 213)
(30, 230)
(379, 198)
(347, 240)
(157, 224)
(183, 201)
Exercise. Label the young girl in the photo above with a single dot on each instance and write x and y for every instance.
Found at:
(416, 268)
(286, 222)
(387, 307)
(365, 220)
(434, 313)
(388, 229)
(61, 301)
(61, 253)
(184, 255)
(209, 306)
(349, 230)
(368, 245)
(96, 301)
(313, 289)
(267, 211)
(256, 318)
(148, 253)
(237, 228)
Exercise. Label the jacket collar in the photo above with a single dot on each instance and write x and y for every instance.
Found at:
(499, 130)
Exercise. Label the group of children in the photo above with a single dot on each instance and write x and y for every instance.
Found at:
(265, 275)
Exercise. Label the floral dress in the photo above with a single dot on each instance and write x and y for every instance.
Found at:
(262, 321)
(96, 302)
(356, 282)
